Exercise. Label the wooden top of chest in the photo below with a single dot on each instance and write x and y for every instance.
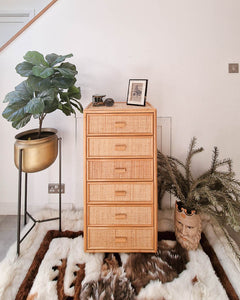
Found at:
(119, 107)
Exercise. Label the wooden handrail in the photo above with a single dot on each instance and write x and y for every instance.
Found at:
(28, 24)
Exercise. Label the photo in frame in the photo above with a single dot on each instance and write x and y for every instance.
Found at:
(137, 91)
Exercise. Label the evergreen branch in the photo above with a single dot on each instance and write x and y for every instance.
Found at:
(177, 161)
(191, 152)
(214, 160)
(175, 187)
(215, 192)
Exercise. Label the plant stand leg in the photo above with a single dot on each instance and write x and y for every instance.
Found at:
(19, 201)
(25, 199)
(60, 183)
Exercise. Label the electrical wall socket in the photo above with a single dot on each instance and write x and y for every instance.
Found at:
(53, 188)
(233, 68)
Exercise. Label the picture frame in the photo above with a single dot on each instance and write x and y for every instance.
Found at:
(137, 92)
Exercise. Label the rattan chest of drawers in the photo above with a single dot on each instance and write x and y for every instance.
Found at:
(120, 178)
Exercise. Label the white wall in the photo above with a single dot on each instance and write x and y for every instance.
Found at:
(182, 47)
(10, 26)
(23, 4)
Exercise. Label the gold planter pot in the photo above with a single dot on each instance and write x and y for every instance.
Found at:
(37, 154)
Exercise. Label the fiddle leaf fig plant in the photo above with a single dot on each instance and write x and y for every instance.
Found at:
(49, 85)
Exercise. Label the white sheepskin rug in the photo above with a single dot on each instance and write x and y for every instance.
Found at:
(197, 281)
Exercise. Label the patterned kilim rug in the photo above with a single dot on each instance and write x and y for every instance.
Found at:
(52, 265)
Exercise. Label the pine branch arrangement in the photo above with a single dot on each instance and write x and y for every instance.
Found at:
(215, 192)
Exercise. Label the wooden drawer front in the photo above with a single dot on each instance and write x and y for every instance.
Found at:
(120, 169)
(116, 192)
(120, 147)
(120, 124)
(120, 215)
(120, 239)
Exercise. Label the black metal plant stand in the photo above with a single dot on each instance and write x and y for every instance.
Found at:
(26, 213)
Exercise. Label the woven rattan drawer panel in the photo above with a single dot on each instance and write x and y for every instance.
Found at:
(120, 192)
(120, 215)
(128, 240)
(120, 124)
(120, 147)
(120, 178)
(120, 169)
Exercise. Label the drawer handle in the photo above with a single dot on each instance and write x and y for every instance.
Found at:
(121, 239)
(120, 124)
(120, 216)
(120, 170)
(120, 193)
(120, 147)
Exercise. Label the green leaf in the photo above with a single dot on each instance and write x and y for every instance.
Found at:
(63, 82)
(67, 109)
(51, 105)
(78, 105)
(74, 92)
(54, 59)
(24, 90)
(51, 59)
(67, 106)
(68, 65)
(35, 106)
(39, 84)
(15, 113)
(24, 69)
(66, 72)
(47, 95)
(64, 96)
(35, 58)
(12, 97)
(50, 100)
(41, 71)
(21, 122)
(14, 109)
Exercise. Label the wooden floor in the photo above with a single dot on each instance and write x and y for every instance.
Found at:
(8, 234)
